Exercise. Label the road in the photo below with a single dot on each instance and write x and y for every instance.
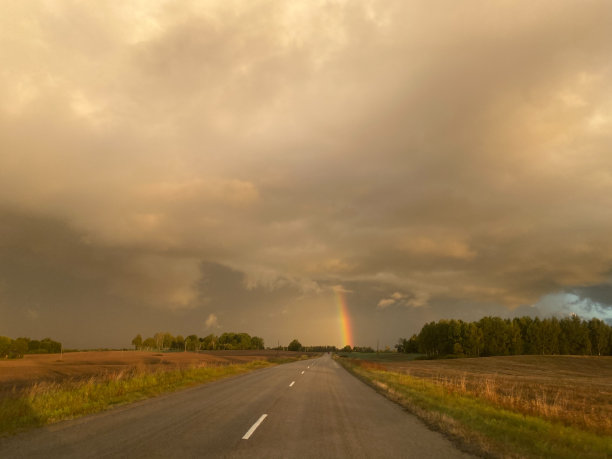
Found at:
(313, 408)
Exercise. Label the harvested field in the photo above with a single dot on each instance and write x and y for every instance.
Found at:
(575, 390)
(21, 373)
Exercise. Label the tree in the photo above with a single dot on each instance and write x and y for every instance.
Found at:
(148, 343)
(600, 336)
(209, 342)
(471, 339)
(18, 348)
(408, 345)
(179, 343)
(168, 340)
(257, 342)
(295, 345)
(137, 341)
(5, 346)
(192, 343)
(519, 336)
(244, 341)
(159, 340)
(516, 341)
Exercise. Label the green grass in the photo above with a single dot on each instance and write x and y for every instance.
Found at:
(48, 403)
(380, 356)
(480, 426)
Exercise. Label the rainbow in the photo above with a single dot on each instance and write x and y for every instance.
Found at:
(345, 320)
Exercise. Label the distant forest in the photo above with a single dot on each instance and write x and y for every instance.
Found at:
(17, 348)
(491, 336)
(227, 341)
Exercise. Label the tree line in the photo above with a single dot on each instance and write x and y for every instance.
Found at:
(17, 348)
(227, 341)
(492, 336)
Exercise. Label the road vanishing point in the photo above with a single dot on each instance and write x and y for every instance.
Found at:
(306, 409)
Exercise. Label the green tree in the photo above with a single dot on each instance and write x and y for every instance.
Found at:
(410, 346)
(5, 346)
(228, 341)
(600, 336)
(244, 341)
(209, 342)
(550, 331)
(471, 339)
(137, 341)
(192, 343)
(515, 338)
(257, 342)
(18, 348)
(167, 340)
(574, 336)
(159, 340)
(179, 343)
(149, 344)
(295, 345)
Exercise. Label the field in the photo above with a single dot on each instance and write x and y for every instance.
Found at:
(575, 390)
(44, 389)
(519, 406)
(37, 368)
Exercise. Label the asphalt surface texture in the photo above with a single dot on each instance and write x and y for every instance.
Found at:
(306, 409)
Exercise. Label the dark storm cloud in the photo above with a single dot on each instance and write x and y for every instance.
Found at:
(601, 294)
(54, 281)
(445, 155)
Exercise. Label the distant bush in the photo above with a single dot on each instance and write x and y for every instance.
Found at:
(17, 348)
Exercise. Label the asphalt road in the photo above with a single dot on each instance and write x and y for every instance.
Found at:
(313, 408)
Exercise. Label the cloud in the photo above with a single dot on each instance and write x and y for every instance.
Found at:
(385, 302)
(459, 154)
(565, 304)
(212, 321)
(414, 300)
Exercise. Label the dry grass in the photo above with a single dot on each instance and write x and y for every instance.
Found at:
(49, 368)
(573, 390)
(48, 402)
(501, 416)
(92, 382)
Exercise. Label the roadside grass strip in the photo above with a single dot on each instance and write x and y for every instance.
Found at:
(47, 403)
(474, 422)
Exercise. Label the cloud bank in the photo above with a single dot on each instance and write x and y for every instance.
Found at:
(437, 160)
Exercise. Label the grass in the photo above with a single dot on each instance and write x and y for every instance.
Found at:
(479, 423)
(46, 403)
(573, 390)
(381, 356)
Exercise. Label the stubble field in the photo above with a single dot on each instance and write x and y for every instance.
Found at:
(44, 389)
(55, 368)
(514, 406)
(575, 390)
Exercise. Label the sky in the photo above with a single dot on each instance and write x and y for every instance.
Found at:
(248, 166)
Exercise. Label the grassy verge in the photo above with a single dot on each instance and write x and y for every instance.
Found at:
(479, 425)
(47, 403)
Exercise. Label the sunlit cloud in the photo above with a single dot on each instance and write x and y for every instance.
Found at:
(436, 160)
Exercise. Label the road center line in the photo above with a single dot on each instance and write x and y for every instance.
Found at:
(302, 372)
(292, 383)
(254, 426)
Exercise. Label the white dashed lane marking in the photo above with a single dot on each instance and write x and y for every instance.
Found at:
(254, 427)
